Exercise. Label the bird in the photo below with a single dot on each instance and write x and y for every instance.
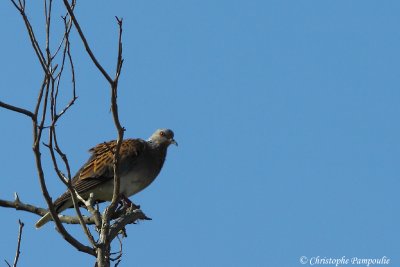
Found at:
(140, 163)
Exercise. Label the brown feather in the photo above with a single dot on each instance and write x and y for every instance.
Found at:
(99, 168)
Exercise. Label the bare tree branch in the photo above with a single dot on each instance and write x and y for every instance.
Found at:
(69, 23)
(17, 204)
(120, 129)
(45, 116)
(38, 126)
(17, 109)
(103, 251)
(68, 183)
(21, 8)
(118, 258)
(85, 42)
(55, 83)
(81, 220)
(89, 205)
(131, 216)
(17, 252)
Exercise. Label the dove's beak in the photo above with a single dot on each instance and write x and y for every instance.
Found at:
(172, 141)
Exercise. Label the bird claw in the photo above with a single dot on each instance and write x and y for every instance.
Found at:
(127, 203)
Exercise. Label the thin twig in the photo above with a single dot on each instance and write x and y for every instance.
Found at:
(106, 238)
(85, 228)
(37, 134)
(47, 104)
(118, 258)
(85, 42)
(68, 182)
(89, 205)
(69, 29)
(131, 216)
(18, 252)
(120, 129)
(40, 96)
(36, 47)
(55, 83)
(67, 52)
(17, 109)
(19, 205)
(47, 14)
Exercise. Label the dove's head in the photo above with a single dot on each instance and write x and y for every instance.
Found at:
(163, 137)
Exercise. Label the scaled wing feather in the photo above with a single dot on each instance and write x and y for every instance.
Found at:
(99, 168)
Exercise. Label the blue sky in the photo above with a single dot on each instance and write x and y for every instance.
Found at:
(286, 114)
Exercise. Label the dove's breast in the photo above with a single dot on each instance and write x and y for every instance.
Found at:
(141, 175)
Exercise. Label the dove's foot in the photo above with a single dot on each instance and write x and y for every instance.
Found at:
(126, 203)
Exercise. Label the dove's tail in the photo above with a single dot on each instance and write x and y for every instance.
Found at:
(45, 219)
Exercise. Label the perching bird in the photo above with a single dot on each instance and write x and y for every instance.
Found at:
(140, 163)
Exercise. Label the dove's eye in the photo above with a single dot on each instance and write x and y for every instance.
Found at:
(162, 133)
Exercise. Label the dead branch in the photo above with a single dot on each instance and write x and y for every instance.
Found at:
(89, 205)
(17, 204)
(131, 216)
(17, 251)
(42, 105)
(114, 218)
(36, 47)
(17, 109)
(85, 42)
(104, 250)
(118, 258)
